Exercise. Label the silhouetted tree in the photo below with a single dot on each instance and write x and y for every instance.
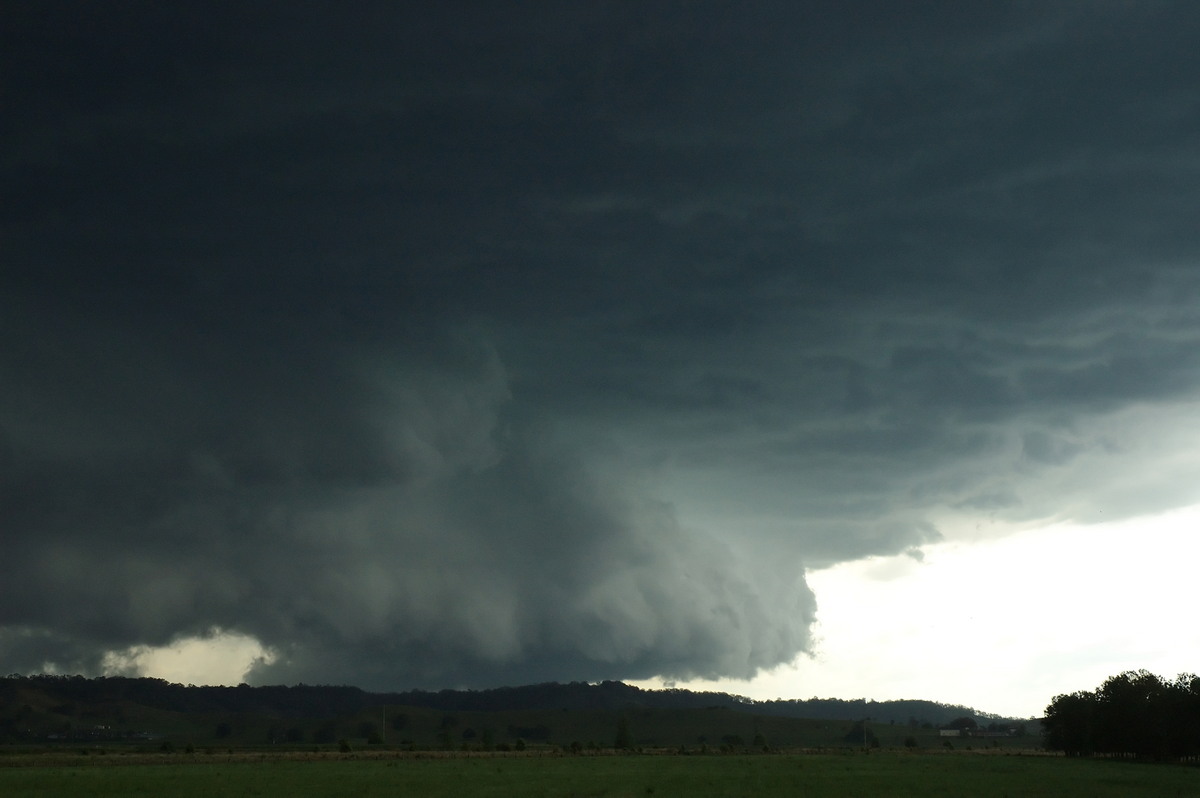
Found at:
(1135, 713)
(1070, 724)
(1131, 714)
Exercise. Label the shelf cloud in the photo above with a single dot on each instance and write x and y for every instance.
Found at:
(458, 348)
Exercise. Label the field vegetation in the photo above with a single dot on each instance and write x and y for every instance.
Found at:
(389, 773)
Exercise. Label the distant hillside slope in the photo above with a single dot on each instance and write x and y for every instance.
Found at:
(618, 695)
(76, 696)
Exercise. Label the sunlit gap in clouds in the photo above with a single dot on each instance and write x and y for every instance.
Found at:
(217, 658)
(1002, 625)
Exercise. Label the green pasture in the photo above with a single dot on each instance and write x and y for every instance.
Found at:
(389, 774)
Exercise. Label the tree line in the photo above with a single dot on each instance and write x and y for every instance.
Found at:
(329, 700)
(1134, 714)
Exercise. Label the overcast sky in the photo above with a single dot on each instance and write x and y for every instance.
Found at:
(467, 344)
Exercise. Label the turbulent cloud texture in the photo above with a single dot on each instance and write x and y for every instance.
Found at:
(376, 517)
(459, 348)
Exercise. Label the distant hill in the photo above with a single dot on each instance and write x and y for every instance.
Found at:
(63, 696)
(618, 695)
(143, 712)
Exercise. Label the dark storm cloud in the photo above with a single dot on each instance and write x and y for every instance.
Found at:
(484, 345)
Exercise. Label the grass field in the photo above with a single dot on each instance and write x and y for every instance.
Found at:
(386, 774)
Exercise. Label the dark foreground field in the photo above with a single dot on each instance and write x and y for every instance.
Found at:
(850, 774)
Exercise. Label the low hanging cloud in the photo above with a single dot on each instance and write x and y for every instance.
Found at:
(507, 348)
(378, 520)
